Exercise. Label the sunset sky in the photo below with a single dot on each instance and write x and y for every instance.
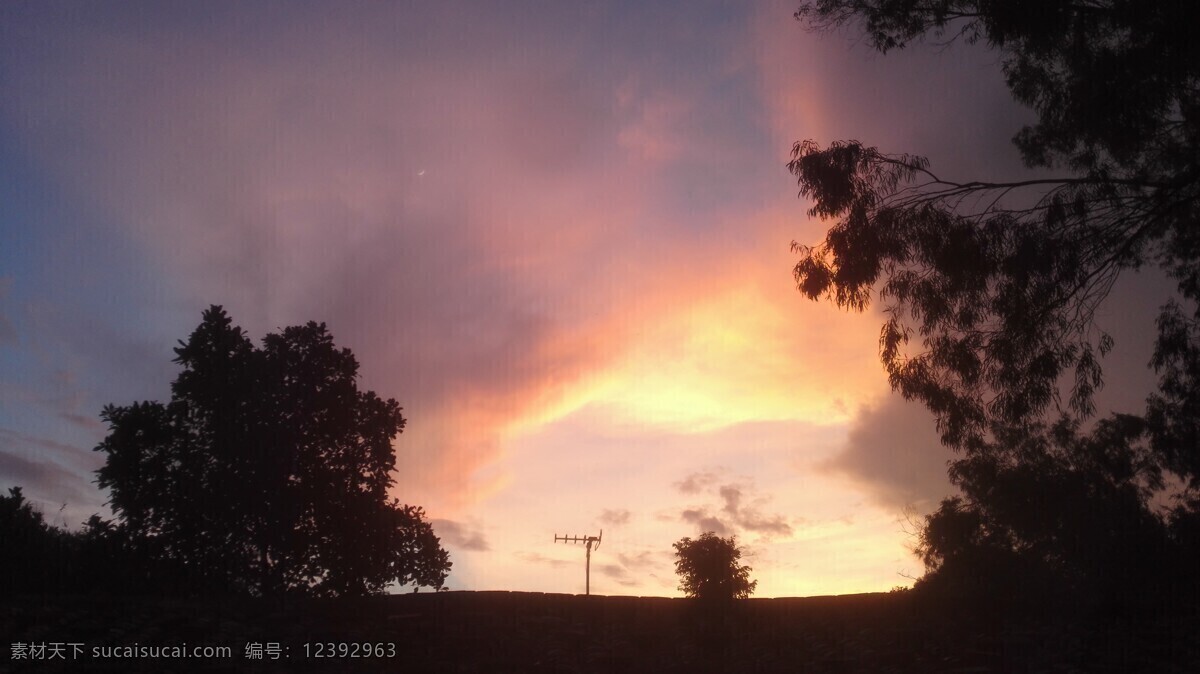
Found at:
(557, 233)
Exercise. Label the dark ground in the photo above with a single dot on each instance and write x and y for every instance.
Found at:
(529, 632)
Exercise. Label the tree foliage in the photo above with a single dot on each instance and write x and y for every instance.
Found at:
(1058, 510)
(268, 472)
(1113, 82)
(1001, 281)
(990, 289)
(709, 568)
(32, 555)
(44, 560)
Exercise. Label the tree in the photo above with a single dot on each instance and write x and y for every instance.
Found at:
(268, 472)
(708, 568)
(1001, 281)
(1055, 510)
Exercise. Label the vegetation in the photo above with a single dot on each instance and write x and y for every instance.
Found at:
(268, 471)
(44, 559)
(33, 551)
(1056, 513)
(266, 474)
(1000, 282)
(708, 568)
(518, 631)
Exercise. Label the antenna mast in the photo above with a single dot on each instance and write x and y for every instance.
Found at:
(589, 541)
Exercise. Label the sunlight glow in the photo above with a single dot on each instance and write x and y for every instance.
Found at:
(725, 360)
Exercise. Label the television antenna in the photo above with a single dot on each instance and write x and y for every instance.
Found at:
(589, 541)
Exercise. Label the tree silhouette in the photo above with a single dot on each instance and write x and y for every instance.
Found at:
(1056, 511)
(34, 556)
(267, 472)
(708, 568)
(1000, 282)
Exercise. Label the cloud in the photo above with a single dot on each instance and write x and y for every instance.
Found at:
(460, 536)
(411, 196)
(52, 472)
(538, 558)
(641, 560)
(695, 483)
(894, 450)
(653, 133)
(619, 574)
(72, 456)
(8, 334)
(943, 100)
(704, 521)
(615, 517)
(740, 510)
(489, 224)
(46, 478)
(732, 496)
(750, 518)
(86, 422)
(632, 569)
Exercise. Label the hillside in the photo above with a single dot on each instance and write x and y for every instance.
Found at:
(530, 632)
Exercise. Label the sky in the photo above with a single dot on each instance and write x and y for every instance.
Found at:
(558, 234)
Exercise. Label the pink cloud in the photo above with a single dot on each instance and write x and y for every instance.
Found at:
(471, 223)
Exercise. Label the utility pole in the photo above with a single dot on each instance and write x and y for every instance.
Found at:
(589, 541)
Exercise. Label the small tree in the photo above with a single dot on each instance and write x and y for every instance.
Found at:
(709, 569)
